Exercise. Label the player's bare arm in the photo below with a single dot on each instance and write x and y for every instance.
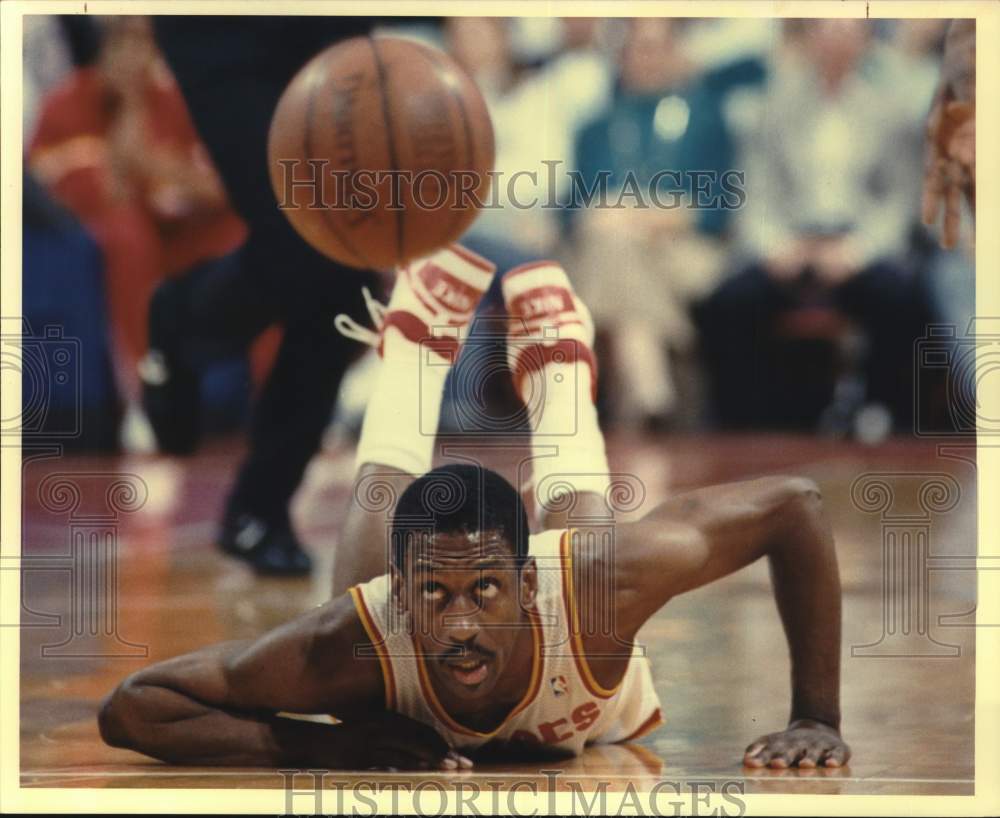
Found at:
(700, 536)
(220, 705)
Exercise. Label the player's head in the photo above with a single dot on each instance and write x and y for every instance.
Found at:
(462, 572)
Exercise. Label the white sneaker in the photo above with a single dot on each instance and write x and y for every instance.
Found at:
(432, 302)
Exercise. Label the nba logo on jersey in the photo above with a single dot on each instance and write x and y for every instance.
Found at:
(559, 685)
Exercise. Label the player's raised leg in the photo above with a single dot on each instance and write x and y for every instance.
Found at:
(419, 336)
(550, 351)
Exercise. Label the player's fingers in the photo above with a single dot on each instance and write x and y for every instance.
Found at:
(464, 762)
(810, 756)
(837, 756)
(952, 216)
(420, 738)
(934, 117)
(752, 754)
(933, 180)
(420, 751)
(391, 759)
(931, 199)
(778, 756)
(422, 755)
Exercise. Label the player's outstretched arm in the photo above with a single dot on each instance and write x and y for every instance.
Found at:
(700, 536)
(220, 705)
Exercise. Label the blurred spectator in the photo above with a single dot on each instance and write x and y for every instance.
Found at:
(48, 58)
(638, 264)
(67, 387)
(115, 145)
(936, 78)
(716, 42)
(536, 114)
(827, 219)
(913, 65)
(951, 133)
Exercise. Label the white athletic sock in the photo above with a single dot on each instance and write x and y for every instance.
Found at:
(422, 329)
(550, 342)
(402, 415)
(567, 445)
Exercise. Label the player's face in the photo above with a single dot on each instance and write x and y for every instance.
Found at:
(468, 606)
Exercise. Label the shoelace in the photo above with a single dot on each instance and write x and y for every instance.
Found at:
(350, 328)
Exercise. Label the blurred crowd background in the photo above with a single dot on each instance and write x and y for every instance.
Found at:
(800, 309)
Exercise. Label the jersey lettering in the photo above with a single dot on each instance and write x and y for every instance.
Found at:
(585, 715)
(549, 734)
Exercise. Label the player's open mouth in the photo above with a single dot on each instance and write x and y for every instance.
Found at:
(469, 672)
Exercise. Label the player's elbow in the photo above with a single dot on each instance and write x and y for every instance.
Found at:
(116, 717)
(801, 518)
(801, 494)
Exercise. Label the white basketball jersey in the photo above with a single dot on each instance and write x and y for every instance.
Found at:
(564, 705)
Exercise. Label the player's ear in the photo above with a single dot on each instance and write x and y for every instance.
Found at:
(529, 582)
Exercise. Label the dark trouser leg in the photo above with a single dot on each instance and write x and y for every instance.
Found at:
(734, 325)
(232, 73)
(893, 310)
(292, 413)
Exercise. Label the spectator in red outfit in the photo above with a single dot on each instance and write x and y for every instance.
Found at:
(114, 143)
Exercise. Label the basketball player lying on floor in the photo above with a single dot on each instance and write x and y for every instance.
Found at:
(481, 638)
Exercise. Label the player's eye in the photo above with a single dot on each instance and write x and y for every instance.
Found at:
(432, 590)
(488, 587)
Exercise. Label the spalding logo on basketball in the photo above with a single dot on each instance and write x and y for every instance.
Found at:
(380, 151)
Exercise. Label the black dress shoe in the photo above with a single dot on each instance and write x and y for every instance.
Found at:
(170, 387)
(272, 549)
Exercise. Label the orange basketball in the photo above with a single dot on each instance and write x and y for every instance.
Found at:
(380, 151)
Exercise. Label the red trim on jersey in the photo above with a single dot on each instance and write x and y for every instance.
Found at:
(573, 623)
(534, 685)
(378, 642)
(650, 724)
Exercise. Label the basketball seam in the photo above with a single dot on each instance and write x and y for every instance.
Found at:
(307, 150)
(390, 142)
(470, 145)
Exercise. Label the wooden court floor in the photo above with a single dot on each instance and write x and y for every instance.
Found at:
(119, 570)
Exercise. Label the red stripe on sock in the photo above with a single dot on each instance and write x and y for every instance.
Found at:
(448, 290)
(513, 272)
(473, 258)
(415, 330)
(534, 357)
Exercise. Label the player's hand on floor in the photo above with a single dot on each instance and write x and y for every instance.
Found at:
(804, 743)
(392, 741)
